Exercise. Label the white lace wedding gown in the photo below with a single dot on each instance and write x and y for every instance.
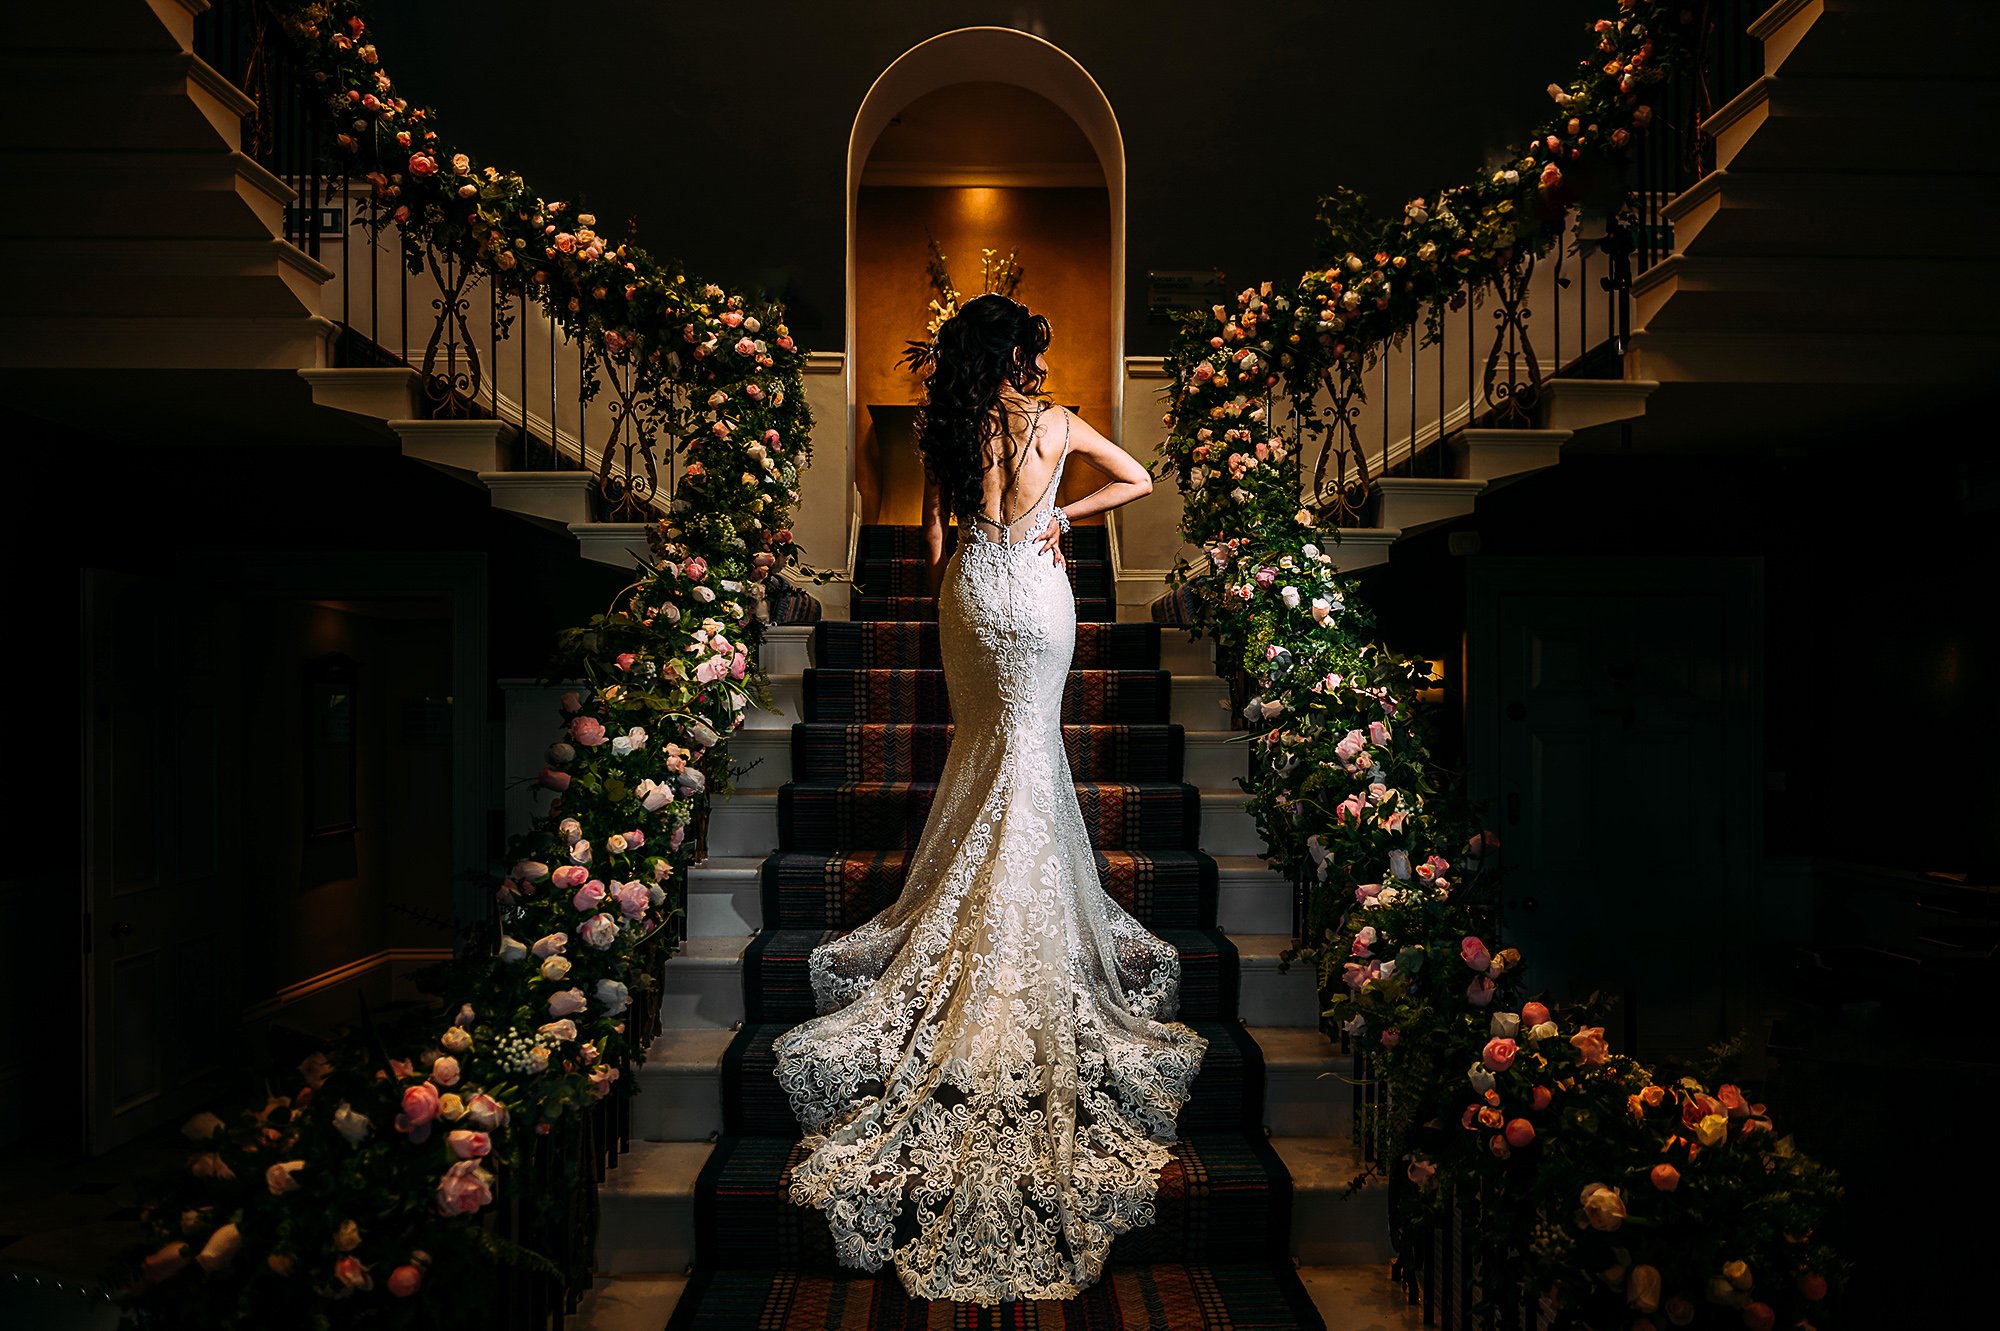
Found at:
(991, 1084)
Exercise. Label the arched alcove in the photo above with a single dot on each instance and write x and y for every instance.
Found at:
(985, 137)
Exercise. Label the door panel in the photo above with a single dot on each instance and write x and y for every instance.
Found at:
(159, 992)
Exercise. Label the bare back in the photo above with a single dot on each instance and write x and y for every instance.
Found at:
(1007, 500)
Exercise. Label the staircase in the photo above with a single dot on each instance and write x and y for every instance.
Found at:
(1809, 279)
(695, 1221)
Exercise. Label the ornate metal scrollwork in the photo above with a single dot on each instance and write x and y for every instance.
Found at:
(1341, 425)
(1511, 395)
(456, 391)
(628, 476)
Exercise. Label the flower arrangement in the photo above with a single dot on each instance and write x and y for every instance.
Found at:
(720, 372)
(1627, 1201)
(1002, 277)
(374, 1176)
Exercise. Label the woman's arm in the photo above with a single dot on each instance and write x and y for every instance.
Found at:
(933, 537)
(1129, 478)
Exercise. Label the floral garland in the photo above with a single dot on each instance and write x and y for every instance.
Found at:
(1639, 1204)
(341, 1201)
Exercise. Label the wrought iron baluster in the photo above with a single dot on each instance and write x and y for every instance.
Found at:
(1512, 396)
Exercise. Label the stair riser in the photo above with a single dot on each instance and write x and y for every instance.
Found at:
(685, 1104)
(1269, 998)
(1261, 906)
(735, 908)
(703, 995)
(644, 1232)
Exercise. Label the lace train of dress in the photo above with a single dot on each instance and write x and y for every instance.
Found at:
(991, 1085)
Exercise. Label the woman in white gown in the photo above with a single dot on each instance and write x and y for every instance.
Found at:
(991, 1085)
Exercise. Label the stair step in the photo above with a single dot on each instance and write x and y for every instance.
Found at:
(1306, 1091)
(1331, 1227)
(1227, 1095)
(1101, 609)
(890, 644)
(874, 751)
(702, 985)
(1128, 697)
(1269, 996)
(778, 988)
(838, 889)
(1252, 1296)
(1118, 815)
(1251, 896)
(680, 1085)
(646, 1208)
(1216, 1203)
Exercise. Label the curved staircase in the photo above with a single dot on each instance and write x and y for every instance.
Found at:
(696, 1220)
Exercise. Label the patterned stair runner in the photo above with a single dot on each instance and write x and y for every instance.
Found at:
(864, 764)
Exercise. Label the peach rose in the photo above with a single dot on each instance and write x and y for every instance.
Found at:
(1665, 1177)
(1590, 1045)
(405, 1280)
(1603, 1207)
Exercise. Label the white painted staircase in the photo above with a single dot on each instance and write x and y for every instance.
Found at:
(646, 1239)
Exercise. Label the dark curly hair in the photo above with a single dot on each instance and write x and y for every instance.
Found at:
(975, 353)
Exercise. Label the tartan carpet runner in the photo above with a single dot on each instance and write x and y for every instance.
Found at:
(865, 761)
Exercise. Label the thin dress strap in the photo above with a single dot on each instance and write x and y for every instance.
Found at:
(1006, 530)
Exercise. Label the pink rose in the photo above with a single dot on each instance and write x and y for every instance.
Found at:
(549, 944)
(1480, 992)
(746, 346)
(421, 164)
(1519, 1132)
(588, 897)
(565, 1002)
(468, 1145)
(464, 1188)
(624, 660)
(599, 931)
(420, 1106)
(587, 731)
(352, 1274)
(485, 1113)
(695, 569)
(738, 664)
(1420, 1171)
(445, 1071)
(1391, 1038)
(405, 1280)
(551, 779)
(569, 876)
(1474, 953)
(1498, 1054)
(634, 839)
(572, 702)
(1732, 1100)
(632, 899)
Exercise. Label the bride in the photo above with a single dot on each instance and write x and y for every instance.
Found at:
(991, 1085)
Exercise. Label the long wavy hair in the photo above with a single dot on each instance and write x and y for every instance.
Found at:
(992, 340)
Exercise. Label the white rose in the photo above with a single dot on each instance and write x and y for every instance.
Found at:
(613, 997)
(1504, 1024)
(1542, 1030)
(512, 949)
(555, 968)
(351, 1125)
(1290, 596)
(1480, 1077)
